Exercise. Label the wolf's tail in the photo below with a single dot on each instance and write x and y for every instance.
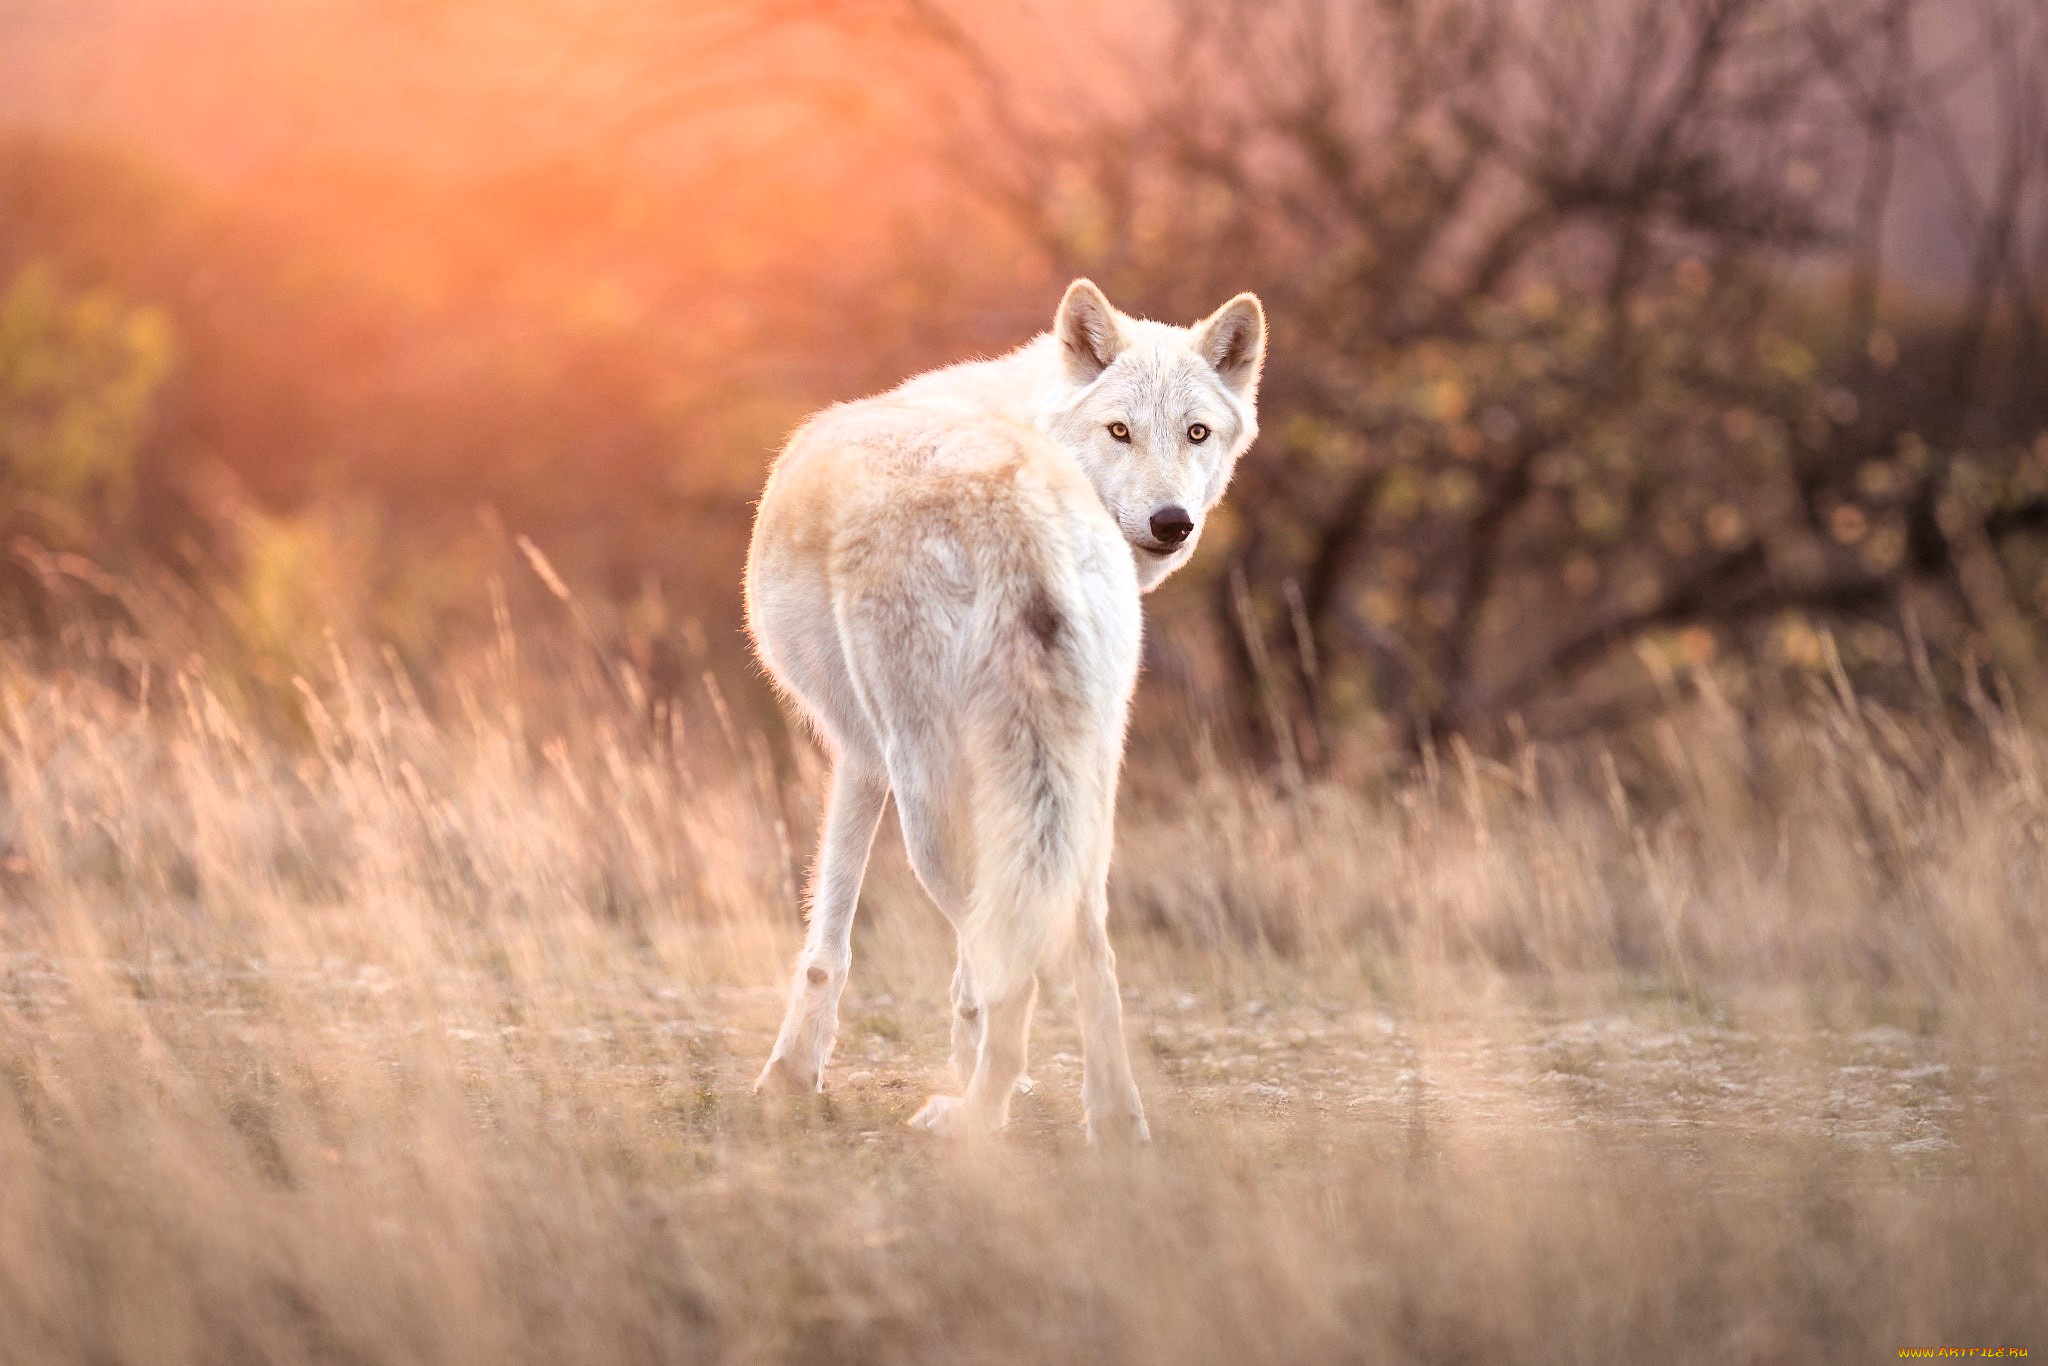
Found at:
(1040, 744)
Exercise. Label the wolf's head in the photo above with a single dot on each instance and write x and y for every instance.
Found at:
(1157, 415)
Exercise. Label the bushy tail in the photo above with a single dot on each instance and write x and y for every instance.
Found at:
(1031, 736)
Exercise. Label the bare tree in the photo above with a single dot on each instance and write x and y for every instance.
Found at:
(1558, 368)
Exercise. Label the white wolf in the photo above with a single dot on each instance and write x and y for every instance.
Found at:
(945, 580)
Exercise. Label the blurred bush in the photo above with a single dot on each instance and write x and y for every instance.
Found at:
(1618, 346)
(1611, 339)
(79, 372)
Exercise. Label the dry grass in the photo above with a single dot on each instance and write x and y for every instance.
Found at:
(389, 1033)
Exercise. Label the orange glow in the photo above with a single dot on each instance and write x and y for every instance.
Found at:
(409, 218)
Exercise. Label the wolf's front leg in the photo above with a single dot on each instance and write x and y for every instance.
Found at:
(998, 1070)
(811, 1022)
(1005, 1034)
(966, 1021)
(967, 1027)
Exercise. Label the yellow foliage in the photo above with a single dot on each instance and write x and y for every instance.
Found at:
(79, 375)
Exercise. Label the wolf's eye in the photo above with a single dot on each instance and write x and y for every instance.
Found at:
(1198, 433)
(1120, 431)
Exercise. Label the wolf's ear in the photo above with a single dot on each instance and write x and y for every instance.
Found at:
(1233, 341)
(1086, 328)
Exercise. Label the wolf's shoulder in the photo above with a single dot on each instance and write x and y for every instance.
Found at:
(1008, 383)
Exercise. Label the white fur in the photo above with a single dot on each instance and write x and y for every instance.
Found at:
(944, 579)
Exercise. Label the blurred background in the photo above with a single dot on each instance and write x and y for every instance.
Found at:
(1620, 347)
(1578, 876)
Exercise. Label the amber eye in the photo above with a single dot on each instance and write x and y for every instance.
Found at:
(1120, 431)
(1198, 433)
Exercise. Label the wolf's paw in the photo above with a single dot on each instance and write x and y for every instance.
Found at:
(785, 1076)
(1118, 1130)
(952, 1117)
(941, 1115)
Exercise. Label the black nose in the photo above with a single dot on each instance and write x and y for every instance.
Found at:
(1171, 526)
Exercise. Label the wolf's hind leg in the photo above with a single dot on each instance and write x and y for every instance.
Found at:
(811, 1022)
(1109, 1095)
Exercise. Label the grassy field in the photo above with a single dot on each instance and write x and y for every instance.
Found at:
(370, 1030)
